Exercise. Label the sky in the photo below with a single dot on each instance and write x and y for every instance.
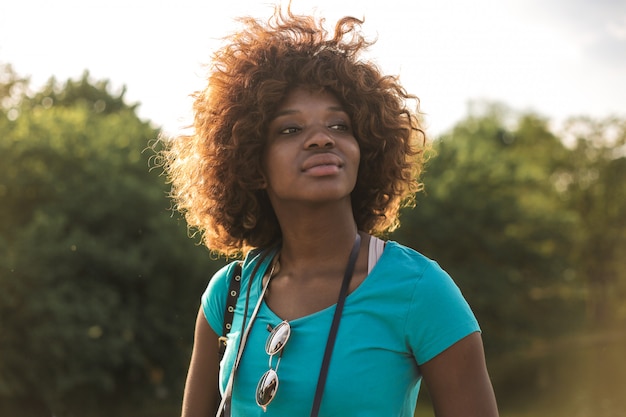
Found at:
(557, 58)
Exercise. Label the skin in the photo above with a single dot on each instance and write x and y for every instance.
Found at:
(311, 166)
(458, 382)
(201, 396)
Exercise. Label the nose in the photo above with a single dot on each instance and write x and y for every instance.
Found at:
(319, 138)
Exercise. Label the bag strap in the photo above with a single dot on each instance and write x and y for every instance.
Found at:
(231, 302)
(224, 407)
(330, 343)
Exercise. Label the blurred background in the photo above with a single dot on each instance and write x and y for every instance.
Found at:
(525, 201)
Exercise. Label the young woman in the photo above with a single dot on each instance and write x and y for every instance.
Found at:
(302, 155)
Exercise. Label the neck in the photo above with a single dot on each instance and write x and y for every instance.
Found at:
(317, 236)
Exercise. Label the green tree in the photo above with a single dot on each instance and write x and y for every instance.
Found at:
(99, 285)
(596, 187)
(12, 89)
(494, 216)
(95, 95)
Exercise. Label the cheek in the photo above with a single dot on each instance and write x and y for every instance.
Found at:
(272, 170)
(356, 155)
(265, 167)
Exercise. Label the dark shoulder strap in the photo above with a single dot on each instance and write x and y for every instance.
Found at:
(332, 335)
(231, 301)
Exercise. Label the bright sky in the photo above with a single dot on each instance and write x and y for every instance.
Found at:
(556, 57)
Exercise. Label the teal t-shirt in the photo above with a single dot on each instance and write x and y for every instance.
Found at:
(405, 312)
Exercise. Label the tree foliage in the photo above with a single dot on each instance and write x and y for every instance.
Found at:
(495, 217)
(94, 95)
(596, 189)
(99, 284)
(532, 226)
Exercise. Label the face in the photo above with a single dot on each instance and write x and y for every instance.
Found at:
(311, 154)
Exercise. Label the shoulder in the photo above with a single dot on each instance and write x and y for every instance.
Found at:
(214, 297)
(405, 261)
(220, 281)
(428, 277)
(438, 314)
(411, 279)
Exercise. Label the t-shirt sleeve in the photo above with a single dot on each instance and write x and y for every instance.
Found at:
(439, 315)
(214, 297)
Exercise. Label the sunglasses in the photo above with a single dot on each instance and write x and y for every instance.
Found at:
(268, 384)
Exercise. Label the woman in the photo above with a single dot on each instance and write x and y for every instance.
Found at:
(302, 154)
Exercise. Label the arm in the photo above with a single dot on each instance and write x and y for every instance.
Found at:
(201, 397)
(458, 382)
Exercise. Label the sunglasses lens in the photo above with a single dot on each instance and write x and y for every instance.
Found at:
(268, 384)
(266, 388)
(278, 338)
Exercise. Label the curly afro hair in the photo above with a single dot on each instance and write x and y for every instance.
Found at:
(216, 171)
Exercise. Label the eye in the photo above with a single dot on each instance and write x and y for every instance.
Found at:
(289, 130)
(340, 127)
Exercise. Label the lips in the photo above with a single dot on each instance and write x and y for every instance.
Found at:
(322, 160)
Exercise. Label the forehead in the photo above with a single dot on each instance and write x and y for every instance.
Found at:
(303, 97)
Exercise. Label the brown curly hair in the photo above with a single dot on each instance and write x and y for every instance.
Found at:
(216, 172)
